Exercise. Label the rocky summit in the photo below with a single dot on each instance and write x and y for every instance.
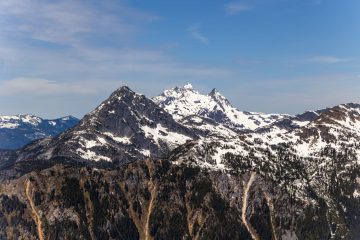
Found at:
(184, 165)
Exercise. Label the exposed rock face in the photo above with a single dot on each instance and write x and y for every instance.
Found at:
(153, 200)
(17, 131)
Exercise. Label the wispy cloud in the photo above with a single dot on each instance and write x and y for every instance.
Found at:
(62, 40)
(234, 8)
(68, 22)
(195, 33)
(329, 59)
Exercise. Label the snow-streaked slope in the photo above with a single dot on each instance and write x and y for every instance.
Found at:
(334, 127)
(185, 101)
(217, 122)
(307, 137)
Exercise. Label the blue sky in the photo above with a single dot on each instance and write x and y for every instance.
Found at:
(64, 57)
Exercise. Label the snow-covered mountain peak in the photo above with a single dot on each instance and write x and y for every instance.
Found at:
(15, 121)
(220, 99)
(123, 93)
(188, 86)
(215, 93)
(184, 102)
(178, 92)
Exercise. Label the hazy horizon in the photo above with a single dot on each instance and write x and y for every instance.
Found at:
(194, 88)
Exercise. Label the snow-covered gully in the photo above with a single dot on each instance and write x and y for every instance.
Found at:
(34, 213)
(251, 230)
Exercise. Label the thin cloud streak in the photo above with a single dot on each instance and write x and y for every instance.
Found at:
(195, 33)
(329, 59)
(234, 8)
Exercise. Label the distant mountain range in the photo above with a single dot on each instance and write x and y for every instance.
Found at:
(184, 165)
(19, 130)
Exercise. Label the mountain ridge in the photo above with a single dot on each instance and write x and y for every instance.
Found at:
(19, 130)
(120, 165)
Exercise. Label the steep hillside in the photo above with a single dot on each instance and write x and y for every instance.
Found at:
(159, 200)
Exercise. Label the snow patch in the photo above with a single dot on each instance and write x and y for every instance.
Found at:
(160, 133)
(90, 155)
(123, 140)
